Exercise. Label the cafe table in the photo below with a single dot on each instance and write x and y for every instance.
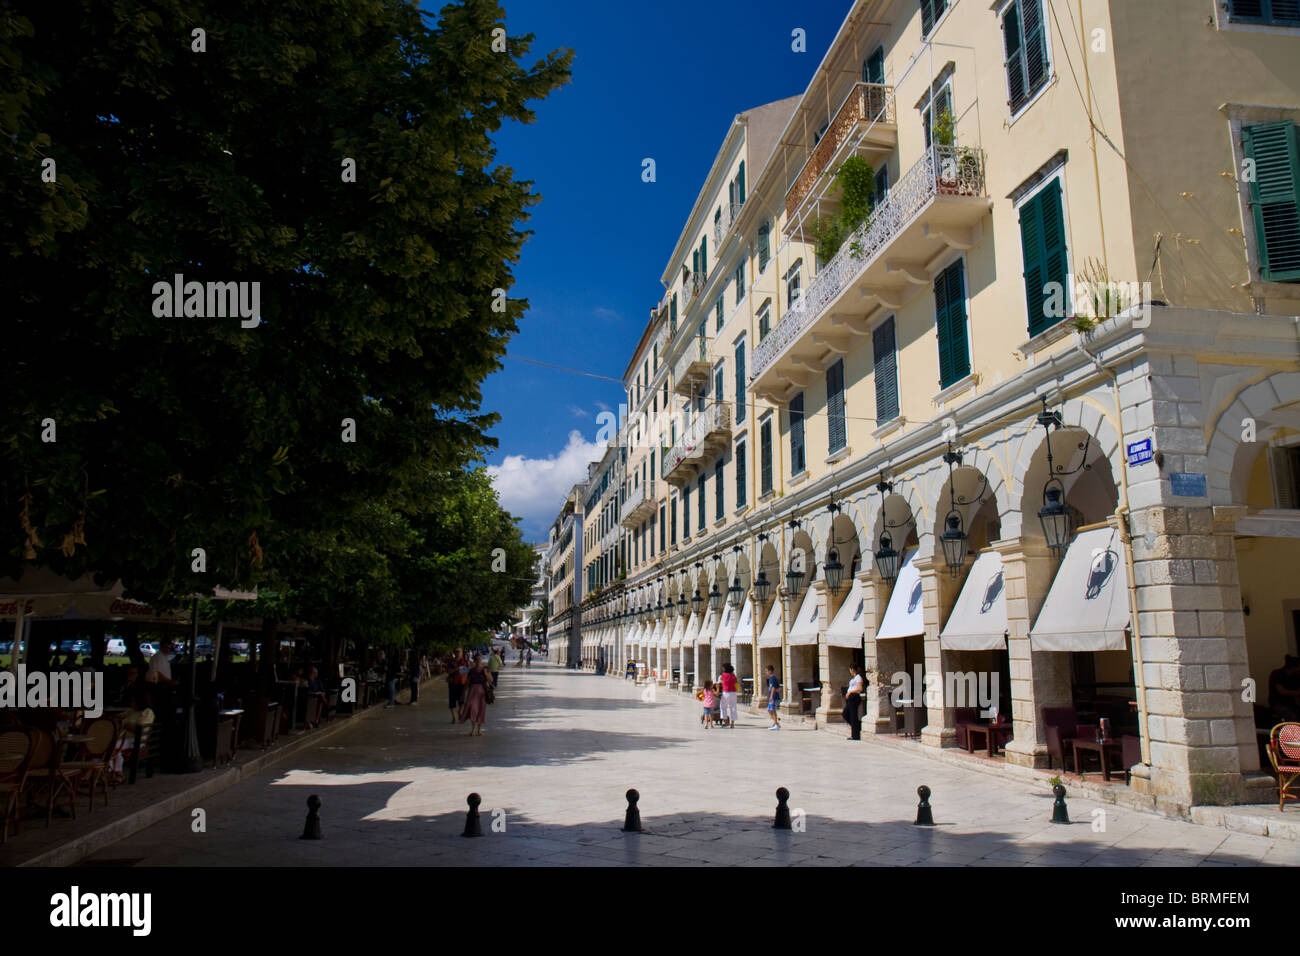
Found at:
(1102, 748)
(75, 739)
(994, 737)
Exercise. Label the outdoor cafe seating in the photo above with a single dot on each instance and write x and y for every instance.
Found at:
(991, 736)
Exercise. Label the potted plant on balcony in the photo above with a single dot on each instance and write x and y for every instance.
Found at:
(956, 167)
(857, 181)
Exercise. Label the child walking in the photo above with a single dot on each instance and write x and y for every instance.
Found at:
(717, 705)
(709, 700)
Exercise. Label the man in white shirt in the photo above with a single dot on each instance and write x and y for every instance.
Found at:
(160, 665)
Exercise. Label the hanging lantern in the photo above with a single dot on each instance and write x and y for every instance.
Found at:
(887, 559)
(834, 571)
(762, 587)
(681, 604)
(1055, 516)
(735, 594)
(715, 597)
(954, 542)
(793, 583)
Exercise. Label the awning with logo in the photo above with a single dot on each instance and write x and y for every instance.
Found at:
(730, 615)
(804, 629)
(679, 628)
(903, 615)
(848, 627)
(979, 618)
(1087, 606)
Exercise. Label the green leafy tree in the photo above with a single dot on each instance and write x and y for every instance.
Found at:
(378, 297)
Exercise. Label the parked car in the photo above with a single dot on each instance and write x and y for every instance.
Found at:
(116, 647)
(71, 646)
(148, 649)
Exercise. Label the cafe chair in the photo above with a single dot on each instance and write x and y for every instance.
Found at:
(98, 763)
(47, 768)
(1059, 726)
(1131, 749)
(963, 717)
(1284, 755)
(147, 749)
(13, 779)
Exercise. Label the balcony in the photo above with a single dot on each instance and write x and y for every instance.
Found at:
(937, 206)
(609, 540)
(709, 434)
(864, 123)
(692, 370)
(639, 506)
(723, 225)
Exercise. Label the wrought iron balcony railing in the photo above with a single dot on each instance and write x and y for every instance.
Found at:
(710, 427)
(871, 103)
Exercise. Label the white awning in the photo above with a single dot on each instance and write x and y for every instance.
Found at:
(804, 629)
(634, 635)
(1087, 606)
(679, 628)
(848, 627)
(744, 633)
(771, 636)
(708, 628)
(903, 616)
(692, 630)
(979, 618)
(730, 615)
(661, 634)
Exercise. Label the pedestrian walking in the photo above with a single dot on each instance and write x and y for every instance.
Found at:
(717, 704)
(706, 697)
(417, 672)
(853, 701)
(457, 678)
(494, 666)
(729, 687)
(529, 659)
(393, 673)
(475, 707)
(773, 697)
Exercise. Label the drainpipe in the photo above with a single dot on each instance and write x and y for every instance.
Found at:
(1126, 537)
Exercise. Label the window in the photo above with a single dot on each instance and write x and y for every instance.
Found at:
(717, 312)
(1275, 198)
(661, 527)
(740, 474)
(740, 377)
(1024, 44)
(835, 424)
(704, 258)
(718, 394)
(764, 321)
(764, 244)
(1042, 242)
(765, 439)
(719, 493)
(873, 67)
(950, 324)
(656, 356)
(1284, 468)
(740, 283)
(672, 520)
(717, 225)
(792, 291)
(817, 136)
(701, 521)
(933, 117)
(672, 315)
(686, 512)
(798, 459)
(882, 186)
(931, 11)
(884, 353)
(1282, 13)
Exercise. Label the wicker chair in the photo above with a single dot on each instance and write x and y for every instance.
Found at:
(47, 767)
(13, 778)
(1284, 755)
(1059, 725)
(98, 762)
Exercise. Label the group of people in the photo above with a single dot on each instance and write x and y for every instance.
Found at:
(471, 686)
(719, 700)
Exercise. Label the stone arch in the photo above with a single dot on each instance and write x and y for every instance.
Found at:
(1082, 413)
(904, 501)
(1231, 458)
(802, 545)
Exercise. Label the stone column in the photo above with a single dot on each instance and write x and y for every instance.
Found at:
(831, 707)
(1038, 679)
(1200, 730)
(883, 659)
(939, 590)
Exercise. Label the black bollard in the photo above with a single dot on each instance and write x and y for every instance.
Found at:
(472, 825)
(311, 831)
(632, 821)
(1059, 813)
(924, 816)
(782, 821)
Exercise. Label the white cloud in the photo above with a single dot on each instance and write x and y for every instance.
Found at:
(534, 488)
(579, 412)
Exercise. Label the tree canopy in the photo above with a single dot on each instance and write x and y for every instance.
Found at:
(225, 156)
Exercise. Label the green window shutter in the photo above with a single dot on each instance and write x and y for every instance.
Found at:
(884, 354)
(1035, 43)
(874, 69)
(704, 256)
(797, 460)
(766, 455)
(1031, 246)
(740, 184)
(740, 382)
(701, 520)
(1275, 198)
(927, 17)
(1014, 57)
(1051, 208)
(740, 474)
(764, 250)
(835, 424)
(950, 322)
(719, 493)
(672, 315)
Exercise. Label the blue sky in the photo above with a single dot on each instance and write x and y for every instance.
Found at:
(659, 80)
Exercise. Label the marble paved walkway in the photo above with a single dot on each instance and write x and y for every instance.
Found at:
(562, 747)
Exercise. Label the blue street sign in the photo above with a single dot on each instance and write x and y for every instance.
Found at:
(1188, 485)
(1139, 451)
